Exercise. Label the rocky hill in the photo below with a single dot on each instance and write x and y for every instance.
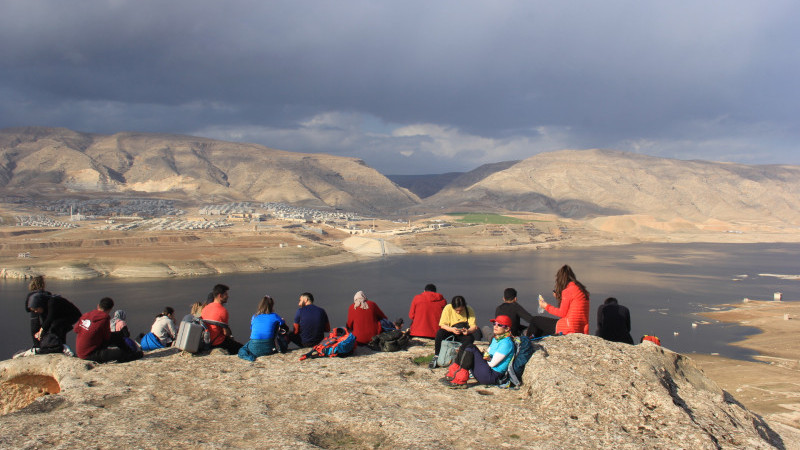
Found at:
(581, 184)
(55, 161)
(569, 183)
(427, 185)
(579, 392)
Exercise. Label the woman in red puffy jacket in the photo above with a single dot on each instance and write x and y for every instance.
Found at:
(573, 309)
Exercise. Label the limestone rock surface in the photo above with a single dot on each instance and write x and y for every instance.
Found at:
(579, 392)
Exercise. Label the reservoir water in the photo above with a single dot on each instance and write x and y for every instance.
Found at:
(664, 285)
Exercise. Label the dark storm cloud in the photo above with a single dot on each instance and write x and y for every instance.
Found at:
(435, 85)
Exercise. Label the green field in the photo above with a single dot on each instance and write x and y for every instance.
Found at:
(488, 218)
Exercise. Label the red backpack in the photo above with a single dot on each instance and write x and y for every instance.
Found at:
(652, 339)
(339, 343)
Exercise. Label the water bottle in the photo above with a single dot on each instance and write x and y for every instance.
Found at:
(541, 310)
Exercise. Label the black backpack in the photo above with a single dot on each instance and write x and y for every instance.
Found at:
(389, 341)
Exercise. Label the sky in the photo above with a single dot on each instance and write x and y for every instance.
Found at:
(416, 87)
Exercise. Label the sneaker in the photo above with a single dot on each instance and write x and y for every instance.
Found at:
(433, 364)
(28, 352)
(67, 351)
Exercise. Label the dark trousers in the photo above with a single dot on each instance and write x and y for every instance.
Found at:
(295, 339)
(53, 340)
(443, 334)
(229, 344)
(36, 323)
(115, 350)
(542, 326)
(481, 370)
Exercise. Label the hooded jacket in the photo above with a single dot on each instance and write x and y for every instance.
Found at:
(426, 309)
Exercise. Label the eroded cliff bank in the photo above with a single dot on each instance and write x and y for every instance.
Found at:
(579, 391)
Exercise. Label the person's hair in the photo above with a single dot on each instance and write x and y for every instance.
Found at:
(266, 305)
(565, 276)
(308, 296)
(610, 301)
(219, 290)
(197, 308)
(457, 302)
(430, 287)
(106, 304)
(509, 294)
(167, 311)
(36, 284)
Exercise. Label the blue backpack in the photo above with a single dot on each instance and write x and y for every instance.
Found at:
(339, 343)
(523, 349)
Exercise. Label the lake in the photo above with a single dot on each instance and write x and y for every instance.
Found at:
(664, 285)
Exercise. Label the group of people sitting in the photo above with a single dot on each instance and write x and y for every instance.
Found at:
(457, 320)
(102, 338)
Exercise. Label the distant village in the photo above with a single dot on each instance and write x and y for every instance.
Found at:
(163, 215)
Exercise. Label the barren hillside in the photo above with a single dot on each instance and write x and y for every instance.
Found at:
(42, 160)
(581, 184)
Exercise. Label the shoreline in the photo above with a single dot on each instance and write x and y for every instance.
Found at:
(177, 256)
(770, 385)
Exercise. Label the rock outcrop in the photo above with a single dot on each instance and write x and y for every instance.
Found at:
(579, 392)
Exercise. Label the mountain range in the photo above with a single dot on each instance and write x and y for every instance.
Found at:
(569, 183)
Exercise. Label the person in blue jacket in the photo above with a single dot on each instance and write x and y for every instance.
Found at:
(267, 332)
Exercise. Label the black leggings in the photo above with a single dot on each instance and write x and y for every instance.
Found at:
(443, 334)
(230, 345)
(542, 326)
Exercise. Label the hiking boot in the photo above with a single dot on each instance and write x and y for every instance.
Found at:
(67, 351)
(445, 381)
(452, 370)
(433, 364)
(28, 352)
(461, 377)
(452, 385)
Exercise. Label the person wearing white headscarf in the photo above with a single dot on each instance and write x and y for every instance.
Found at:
(364, 318)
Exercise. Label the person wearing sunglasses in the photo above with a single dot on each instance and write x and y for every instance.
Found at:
(488, 367)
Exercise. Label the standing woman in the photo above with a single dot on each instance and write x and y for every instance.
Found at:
(265, 332)
(573, 309)
(364, 318)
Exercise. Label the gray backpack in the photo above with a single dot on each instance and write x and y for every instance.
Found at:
(447, 352)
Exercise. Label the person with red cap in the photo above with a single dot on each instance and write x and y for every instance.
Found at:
(488, 367)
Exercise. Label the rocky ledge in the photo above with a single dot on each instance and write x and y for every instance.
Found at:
(579, 391)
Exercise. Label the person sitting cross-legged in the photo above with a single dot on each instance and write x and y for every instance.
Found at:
(96, 342)
(457, 320)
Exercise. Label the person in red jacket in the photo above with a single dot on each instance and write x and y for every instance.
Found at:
(573, 309)
(426, 310)
(364, 318)
(95, 341)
